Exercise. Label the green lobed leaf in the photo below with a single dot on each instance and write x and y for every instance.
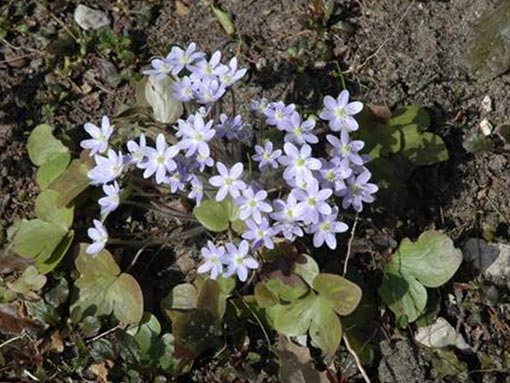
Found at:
(103, 289)
(264, 296)
(307, 268)
(43, 146)
(287, 288)
(405, 296)
(423, 148)
(46, 208)
(294, 318)
(147, 337)
(71, 183)
(29, 280)
(47, 265)
(344, 295)
(325, 328)
(181, 298)
(194, 332)
(50, 170)
(214, 216)
(380, 138)
(314, 314)
(37, 239)
(432, 259)
(410, 115)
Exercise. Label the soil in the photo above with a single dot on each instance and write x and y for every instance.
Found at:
(392, 53)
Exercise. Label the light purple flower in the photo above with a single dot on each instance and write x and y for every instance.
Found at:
(299, 132)
(196, 139)
(110, 202)
(238, 261)
(176, 181)
(228, 181)
(259, 107)
(358, 190)
(161, 67)
(212, 260)
(136, 150)
(333, 173)
(253, 204)
(180, 58)
(232, 74)
(159, 160)
(99, 141)
(182, 89)
(260, 234)
(288, 214)
(266, 156)
(313, 201)
(197, 189)
(229, 127)
(99, 236)
(343, 147)
(299, 163)
(211, 69)
(208, 91)
(325, 230)
(107, 169)
(203, 162)
(339, 112)
(278, 114)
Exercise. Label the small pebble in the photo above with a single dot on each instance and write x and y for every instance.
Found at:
(89, 18)
(486, 127)
(487, 104)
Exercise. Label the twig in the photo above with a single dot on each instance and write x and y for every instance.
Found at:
(103, 334)
(137, 255)
(11, 340)
(257, 319)
(29, 374)
(349, 244)
(356, 359)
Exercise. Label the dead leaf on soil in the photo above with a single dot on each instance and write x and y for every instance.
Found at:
(296, 363)
(181, 8)
(100, 370)
(57, 343)
(12, 321)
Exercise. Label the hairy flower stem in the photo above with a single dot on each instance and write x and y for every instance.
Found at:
(161, 209)
(160, 240)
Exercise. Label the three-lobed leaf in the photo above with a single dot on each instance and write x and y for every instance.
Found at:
(429, 262)
(103, 289)
(317, 312)
(43, 146)
(214, 216)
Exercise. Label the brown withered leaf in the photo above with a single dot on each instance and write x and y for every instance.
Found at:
(380, 112)
(10, 262)
(296, 363)
(181, 8)
(12, 320)
(100, 370)
(57, 343)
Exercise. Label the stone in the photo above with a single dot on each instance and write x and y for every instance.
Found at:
(486, 127)
(441, 334)
(401, 363)
(492, 260)
(488, 49)
(89, 18)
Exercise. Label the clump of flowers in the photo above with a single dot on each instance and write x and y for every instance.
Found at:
(209, 161)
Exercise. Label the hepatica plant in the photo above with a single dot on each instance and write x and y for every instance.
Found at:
(258, 182)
